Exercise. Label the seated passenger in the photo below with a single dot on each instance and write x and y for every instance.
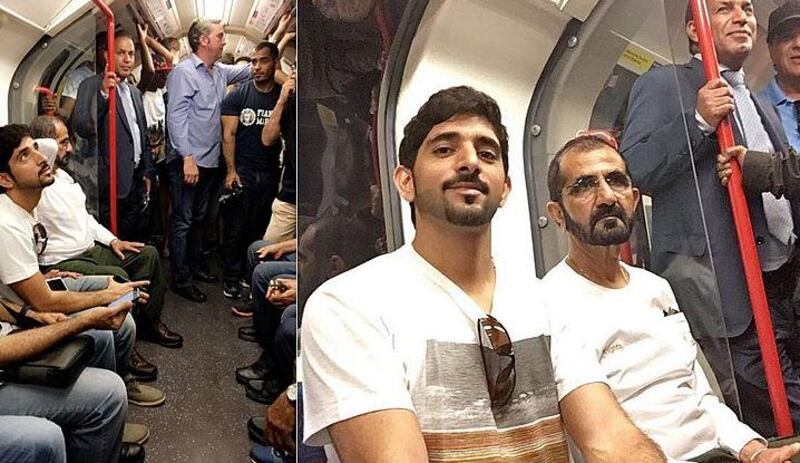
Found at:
(77, 243)
(81, 423)
(404, 358)
(24, 173)
(637, 340)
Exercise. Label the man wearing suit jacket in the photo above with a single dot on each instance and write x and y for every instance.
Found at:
(663, 139)
(134, 161)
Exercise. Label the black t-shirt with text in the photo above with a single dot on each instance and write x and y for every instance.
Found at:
(253, 108)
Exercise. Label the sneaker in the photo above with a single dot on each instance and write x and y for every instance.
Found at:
(135, 433)
(244, 284)
(144, 396)
(230, 289)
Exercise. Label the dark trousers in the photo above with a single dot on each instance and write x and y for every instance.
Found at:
(145, 265)
(189, 207)
(246, 218)
(746, 354)
(133, 216)
(285, 345)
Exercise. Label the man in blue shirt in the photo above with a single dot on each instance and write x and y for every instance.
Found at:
(195, 90)
(783, 91)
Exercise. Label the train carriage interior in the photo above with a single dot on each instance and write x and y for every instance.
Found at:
(365, 66)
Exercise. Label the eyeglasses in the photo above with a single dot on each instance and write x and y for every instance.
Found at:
(588, 185)
(39, 238)
(498, 360)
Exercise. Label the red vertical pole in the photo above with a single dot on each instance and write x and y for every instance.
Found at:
(112, 115)
(747, 245)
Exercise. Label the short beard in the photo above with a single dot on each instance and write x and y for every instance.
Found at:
(63, 162)
(605, 236)
(463, 217)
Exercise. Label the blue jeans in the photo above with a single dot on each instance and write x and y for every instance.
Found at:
(28, 439)
(189, 208)
(119, 344)
(91, 414)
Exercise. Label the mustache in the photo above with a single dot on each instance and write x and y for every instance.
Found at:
(467, 177)
(609, 210)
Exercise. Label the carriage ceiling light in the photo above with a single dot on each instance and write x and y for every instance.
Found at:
(560, 4)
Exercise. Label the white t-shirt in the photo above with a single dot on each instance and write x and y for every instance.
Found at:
(73, 80)
(396, 333)
(642, 341)
(155, 111)
(71, 229)
(18, 251)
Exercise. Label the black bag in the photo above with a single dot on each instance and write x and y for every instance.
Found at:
(58, 366)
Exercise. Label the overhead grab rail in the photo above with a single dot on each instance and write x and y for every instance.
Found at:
(112, 115)
(747, 244)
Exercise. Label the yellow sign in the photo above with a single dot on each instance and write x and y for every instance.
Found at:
(636, 60)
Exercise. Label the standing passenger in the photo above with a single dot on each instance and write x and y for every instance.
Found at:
(662, 141)
(251, 166)
(195, 90)
(135, 169)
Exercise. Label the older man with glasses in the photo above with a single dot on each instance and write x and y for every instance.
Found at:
(635, 336)
(436, 352)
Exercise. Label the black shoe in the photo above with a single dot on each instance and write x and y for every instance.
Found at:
(131, 453)
(157, 332)
(247, 333)
(206, 277)
(243, 310)
(230, 289)
(191, 293)
(255, 429)
(141, 369)
(262, 391)
(251, 372)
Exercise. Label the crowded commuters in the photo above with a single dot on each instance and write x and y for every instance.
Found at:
(659, 133)
(195, 90)
(22, 280)
(24, 173)
(78, 243)
(396, 379)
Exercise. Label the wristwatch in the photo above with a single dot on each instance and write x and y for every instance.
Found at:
(291, 393)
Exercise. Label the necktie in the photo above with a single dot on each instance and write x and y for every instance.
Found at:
(778, 211)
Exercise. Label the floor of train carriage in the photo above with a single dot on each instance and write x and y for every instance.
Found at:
(204, 418)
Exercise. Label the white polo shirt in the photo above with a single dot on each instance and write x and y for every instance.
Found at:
(642, 342)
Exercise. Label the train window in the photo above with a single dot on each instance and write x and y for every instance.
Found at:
(587, 83)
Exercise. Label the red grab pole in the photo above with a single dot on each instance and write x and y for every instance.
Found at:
(747, 245)
(112, 115)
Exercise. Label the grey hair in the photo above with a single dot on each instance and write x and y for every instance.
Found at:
(200, 27)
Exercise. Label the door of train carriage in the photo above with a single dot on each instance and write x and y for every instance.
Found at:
(555, 67)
